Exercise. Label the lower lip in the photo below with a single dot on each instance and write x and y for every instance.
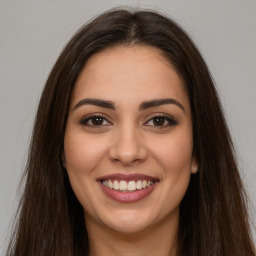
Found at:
(127, 197)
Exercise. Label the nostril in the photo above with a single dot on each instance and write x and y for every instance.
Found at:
(127, 156)
(127, 146)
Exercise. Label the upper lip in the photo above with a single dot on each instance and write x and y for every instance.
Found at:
(127, 177)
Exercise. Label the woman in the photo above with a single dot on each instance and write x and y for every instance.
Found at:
(130, 153)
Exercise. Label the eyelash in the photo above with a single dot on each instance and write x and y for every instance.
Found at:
(170, 121)
(84, 121)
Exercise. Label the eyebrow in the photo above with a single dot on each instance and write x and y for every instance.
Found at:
(143, 106)
(156, 103)
(96, 102)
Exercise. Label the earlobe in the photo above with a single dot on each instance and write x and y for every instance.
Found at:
(194, 168)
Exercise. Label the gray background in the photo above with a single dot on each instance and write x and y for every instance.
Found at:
(32, 34)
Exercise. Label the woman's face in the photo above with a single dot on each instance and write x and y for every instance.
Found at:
(128, 141)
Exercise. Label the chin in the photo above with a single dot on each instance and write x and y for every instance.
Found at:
(129, 222)
(127, 228)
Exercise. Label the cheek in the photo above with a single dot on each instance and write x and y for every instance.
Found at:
(82, 153)
(175, 158)
(175, 154)
(82, 156)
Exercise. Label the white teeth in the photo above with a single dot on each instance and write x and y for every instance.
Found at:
(139, 184)
(125, 186)
(110, 184)
(115, 185)
(131, 185)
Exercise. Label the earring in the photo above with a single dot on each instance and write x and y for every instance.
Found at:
(195, 168)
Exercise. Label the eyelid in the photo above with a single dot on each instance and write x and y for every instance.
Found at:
(83, 121)
(172, 121)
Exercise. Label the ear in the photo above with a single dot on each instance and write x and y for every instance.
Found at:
(194, 166)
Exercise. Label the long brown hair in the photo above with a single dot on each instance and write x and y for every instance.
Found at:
(213, 213)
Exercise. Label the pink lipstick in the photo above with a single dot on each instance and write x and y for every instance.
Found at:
(127, 188)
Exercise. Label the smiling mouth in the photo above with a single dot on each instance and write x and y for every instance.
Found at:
(127, 186)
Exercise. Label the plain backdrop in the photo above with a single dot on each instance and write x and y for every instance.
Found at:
(32, 34)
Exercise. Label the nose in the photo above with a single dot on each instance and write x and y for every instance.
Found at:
(128, 147)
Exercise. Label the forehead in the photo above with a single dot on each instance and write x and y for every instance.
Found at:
(140, 72)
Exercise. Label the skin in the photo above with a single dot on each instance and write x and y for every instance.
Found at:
(127, 141)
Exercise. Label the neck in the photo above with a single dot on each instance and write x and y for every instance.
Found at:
(158, 240)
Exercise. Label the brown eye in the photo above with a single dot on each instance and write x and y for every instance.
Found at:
(161, 121)
(158, 121)
(93, 121)
(98, 120)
